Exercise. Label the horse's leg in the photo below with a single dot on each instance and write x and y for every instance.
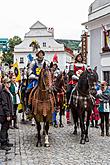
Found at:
(44, 128)
(46, 134)
(61, 113)
(75, 118)
(39, 136)
(82, 126)
(87, 126)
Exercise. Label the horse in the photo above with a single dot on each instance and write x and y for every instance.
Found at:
(82, 100)
(59, 92)
(42, 101)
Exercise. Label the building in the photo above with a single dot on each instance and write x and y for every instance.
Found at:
(3, 44)
(98, 26)
(45, 38)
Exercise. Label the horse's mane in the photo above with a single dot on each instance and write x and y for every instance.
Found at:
(87, 80)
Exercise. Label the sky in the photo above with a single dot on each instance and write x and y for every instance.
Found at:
(65, 16)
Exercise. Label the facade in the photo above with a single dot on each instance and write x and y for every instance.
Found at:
(98, 26)
(3, 44)
(45, 37)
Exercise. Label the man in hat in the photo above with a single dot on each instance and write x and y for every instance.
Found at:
(75, 70)
(33, 70)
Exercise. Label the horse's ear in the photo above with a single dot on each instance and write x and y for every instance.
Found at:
(95, 69)
(44, 65)
(51, 65)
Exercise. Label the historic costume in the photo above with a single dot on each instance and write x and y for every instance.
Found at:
(75, 70)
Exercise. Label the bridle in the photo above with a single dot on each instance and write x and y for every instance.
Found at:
(89, 93)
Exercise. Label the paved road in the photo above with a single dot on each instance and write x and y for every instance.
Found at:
(64, 149)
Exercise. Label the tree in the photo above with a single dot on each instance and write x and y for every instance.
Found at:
(8, 55)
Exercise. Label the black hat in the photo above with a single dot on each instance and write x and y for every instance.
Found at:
(40, 51)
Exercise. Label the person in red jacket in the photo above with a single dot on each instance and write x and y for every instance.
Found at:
(75, 70)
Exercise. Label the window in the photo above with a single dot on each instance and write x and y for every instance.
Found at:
(21, 60)
(106, 75)
(106, 44)
(44, 44)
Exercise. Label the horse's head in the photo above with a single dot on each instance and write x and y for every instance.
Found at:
(45, 78)
(87, 81)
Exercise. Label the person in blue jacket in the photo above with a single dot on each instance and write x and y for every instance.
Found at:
(104, 107)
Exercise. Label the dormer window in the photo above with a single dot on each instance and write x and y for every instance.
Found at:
(44, 44)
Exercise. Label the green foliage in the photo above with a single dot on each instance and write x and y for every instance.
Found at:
(8, 55)
(72, 44)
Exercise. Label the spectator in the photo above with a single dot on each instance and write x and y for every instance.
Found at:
(6, 110)
(14, 89)
(104, 107)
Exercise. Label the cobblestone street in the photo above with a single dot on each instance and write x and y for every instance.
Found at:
(64, 148)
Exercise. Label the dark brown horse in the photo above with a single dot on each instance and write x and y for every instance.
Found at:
(82, 100)
(59, 92)
(42, 100)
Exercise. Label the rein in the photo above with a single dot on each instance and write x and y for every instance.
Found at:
(89, 92)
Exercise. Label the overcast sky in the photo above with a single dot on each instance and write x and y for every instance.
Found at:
(65, 16)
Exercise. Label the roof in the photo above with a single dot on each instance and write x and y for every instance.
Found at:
(72, 44)
(98, 5)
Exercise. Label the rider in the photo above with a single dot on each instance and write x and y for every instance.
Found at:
(34, 69)
(75, 70)
(55, 72)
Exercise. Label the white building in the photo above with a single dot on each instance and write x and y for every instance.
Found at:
(45, 38)
(99, 43)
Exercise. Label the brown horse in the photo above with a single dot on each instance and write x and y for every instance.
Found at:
(42, 100)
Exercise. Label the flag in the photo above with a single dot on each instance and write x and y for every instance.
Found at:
(104, 28)
(17, 71)
(30, 58)
(55, 58)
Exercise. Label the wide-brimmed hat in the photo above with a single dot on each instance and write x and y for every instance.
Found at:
(40, 51)
(6, 80)
(76, 57)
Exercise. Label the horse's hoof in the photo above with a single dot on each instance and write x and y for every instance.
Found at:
(61, 125)
(86, 139)
(75, 132)
(38, 144)
(82, 141)
(43, 132)
(46, 145)
(56, 126)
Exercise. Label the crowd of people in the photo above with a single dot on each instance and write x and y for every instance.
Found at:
(13, 93)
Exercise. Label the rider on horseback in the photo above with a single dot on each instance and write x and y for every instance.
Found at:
(75, 70)
(33, 73)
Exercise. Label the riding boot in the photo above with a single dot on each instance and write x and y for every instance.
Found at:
(102, 129)
(107, 129)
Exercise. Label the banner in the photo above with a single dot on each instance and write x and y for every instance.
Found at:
(17, 71)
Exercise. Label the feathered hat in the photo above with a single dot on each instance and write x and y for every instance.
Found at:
(55, 59)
